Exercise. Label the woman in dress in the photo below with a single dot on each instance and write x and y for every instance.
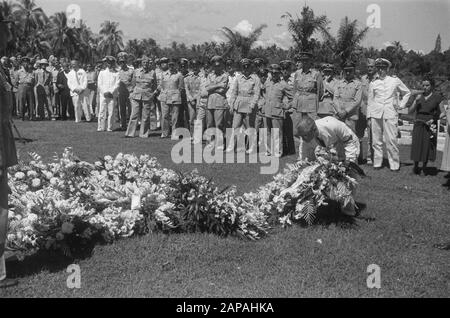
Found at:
(428, 109)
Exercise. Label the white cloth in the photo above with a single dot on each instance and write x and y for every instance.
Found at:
(335, 135)
(108, 82)
(107, 114)
(77, 80)
(81, 105)
(383, 95)
(2, 268)
(387, 128)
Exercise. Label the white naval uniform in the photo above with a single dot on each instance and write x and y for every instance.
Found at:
(336, 135)
(107, 82)
(383, 108)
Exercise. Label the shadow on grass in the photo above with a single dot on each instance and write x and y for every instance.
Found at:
(44, 260)
(332, 215)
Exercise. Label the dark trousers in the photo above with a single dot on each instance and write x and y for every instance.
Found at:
(66, 100)
(288, 136)
(124, 107)
(26, 101)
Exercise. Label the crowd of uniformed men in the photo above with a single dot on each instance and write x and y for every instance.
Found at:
(162, 93)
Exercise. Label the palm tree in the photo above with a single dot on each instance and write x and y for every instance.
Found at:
(134, 47)
(37, 43)
(111, 41)
(240, 43)
(346, 45)
(7, 12)
(32, 16)
(304, 27)
(396, 53)
(65, 41)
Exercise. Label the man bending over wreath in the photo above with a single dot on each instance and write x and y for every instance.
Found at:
(330, 133)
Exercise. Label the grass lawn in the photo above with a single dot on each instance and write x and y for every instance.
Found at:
(404, 217)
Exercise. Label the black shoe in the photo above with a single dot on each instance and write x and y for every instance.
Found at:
(417, 171)
(8, 282)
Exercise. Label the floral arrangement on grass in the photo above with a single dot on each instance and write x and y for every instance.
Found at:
(67, 205)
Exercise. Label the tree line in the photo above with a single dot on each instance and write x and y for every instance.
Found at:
(33, 32)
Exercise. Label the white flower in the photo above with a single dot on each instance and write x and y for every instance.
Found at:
(32, 174)
(31, 218)
(35, 183)
(19, 175)
(108, 158)
(54, 181)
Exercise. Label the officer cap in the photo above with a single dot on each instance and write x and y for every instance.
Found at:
(217, 59)
(380, 62)
(163, 60)
(327, 67)
(195, 62)
(258, 62)
(349, 65)
(110, 59)
(303, 56)
(184, 61)
(284, 65)
(275, 68)
(245, 62)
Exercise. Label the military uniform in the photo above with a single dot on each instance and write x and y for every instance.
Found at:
(278, 100)
(25, 80)
(326, 106)
(192, 84)
(13, 72)
(92, 91)
(43, 81)
(308, 89)
(347, 98)
(217, 87)
(384, 116)
(142, 102)
(172, 85)
(363, 122)
(244, 96)
(125, 87)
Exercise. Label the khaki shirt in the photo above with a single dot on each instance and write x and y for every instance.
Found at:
(217, 98)
(244, 93)
(25, 78)
(348, 97)
(308, 90)
(193, 84)
(326, 106)
(172, 85)
(144, 85)
(126, 80)
(275, 97)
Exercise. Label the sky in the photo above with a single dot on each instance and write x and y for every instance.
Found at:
(415, 23)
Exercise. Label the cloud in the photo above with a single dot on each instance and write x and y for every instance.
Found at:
(282, 40)
(244, 27)
(218, 39)
(127, 8)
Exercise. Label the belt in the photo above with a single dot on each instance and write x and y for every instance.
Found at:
(305, 93)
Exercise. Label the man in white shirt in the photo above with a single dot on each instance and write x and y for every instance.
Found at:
(77, 82)
(108, 85)
(382, 108)
(330, 133)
